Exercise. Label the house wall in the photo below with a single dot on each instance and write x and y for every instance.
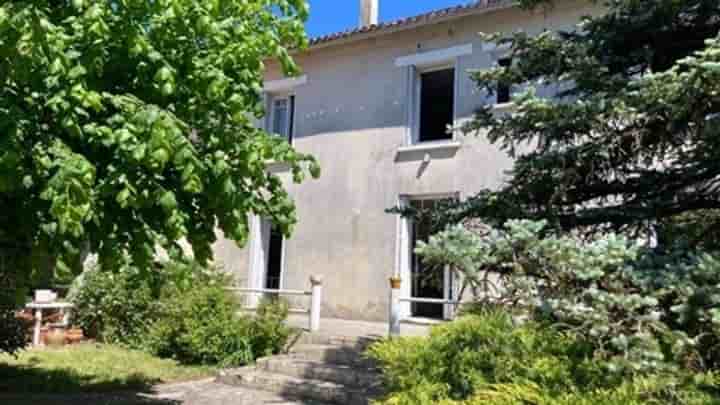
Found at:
(352, 116)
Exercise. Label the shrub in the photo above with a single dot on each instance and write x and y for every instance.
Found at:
(269, 332)
(490, 360)
(641, 310)
(200, 326)
(180, 310)
(13, 332)
(115, 307)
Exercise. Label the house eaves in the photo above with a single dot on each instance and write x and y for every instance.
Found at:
(409, 23)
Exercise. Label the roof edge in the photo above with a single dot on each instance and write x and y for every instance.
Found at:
(406, 24)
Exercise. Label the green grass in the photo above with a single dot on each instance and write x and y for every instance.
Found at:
(90, 368)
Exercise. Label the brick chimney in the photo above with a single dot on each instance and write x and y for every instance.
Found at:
(368, 12)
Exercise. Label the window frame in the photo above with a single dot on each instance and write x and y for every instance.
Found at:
(258, 257)
(418, 63)
(417, 119)
(404, 254)
(498, 53)
(416, 73)
(289, 97)
(504, 62)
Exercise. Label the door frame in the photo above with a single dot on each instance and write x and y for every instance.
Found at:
(259, 250)
(404, 264)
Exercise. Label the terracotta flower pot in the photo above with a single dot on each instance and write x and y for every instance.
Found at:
(74, 335)
(55, 337)
(44, 331)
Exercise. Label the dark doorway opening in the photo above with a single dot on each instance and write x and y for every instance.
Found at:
(275, 258)
(428, 281)
(437, 104)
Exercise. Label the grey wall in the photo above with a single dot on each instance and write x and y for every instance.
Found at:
(352, 116)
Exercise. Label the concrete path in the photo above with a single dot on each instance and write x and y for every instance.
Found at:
(213, 393)
(203, 392)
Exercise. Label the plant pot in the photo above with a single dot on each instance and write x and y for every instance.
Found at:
(44, 331)
(74, 335)
(55, 337)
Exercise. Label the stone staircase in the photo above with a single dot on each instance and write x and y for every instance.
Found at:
(318, 369)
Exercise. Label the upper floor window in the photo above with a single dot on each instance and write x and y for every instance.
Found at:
(282, 116)
(280, 106)
(432, 93)
(437, 105)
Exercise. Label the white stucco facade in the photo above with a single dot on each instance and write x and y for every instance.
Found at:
(353, 109)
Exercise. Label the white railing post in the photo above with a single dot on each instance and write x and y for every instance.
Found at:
(38, 326)
(394, 318)
(315, 302)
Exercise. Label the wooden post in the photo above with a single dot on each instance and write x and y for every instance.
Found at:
(315, 302)
(394, 317)
(38, 326)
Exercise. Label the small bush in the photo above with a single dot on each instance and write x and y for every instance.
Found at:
(201, 326)
(13, 332)
(115, 307)
(489, 360)
(269, 332)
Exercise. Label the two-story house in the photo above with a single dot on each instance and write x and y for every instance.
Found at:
(373, 106)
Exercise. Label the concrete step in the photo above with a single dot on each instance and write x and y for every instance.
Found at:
(348, 375)
(332, 354)
(320, 338)
(294, 387)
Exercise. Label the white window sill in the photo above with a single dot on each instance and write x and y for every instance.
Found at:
(275, 166)
(504, 107)
(430, 146)
(414, 320)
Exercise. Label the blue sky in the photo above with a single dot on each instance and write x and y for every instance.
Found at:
(327, 16)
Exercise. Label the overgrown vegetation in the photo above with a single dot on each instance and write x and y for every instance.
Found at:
(489, 359)
(565, 320)
(180, 310)
(639, 309)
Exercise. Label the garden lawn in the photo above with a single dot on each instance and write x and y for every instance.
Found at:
(90, 368)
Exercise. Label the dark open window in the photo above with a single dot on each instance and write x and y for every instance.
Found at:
(437, 103)
(503, 89)
(274, 262)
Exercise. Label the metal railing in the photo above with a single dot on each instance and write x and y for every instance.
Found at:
(315, 295)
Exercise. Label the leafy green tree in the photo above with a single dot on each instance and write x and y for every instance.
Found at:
(632, 138)
(127, 125)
